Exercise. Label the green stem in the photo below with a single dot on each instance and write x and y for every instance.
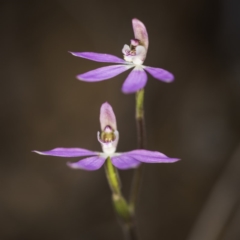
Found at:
(113, 177)
(139, 104)
(120, 204)
(141, 145)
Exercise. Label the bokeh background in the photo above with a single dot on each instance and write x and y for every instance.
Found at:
(196, 118)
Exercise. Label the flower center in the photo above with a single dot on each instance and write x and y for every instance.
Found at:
(108, 139)
(135, 53)
(132, 48)
(107, 135)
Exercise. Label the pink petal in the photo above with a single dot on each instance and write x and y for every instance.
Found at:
(140, 32)
(150, 156)
(67, 152)
(125, 162)
(135, 81)
(126, 49)
(103, 73)
(98, 57)
(160, 74)
(141, 53)
(107, 117)
(90, 164)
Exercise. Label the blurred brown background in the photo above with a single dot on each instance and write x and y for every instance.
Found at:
(195, 118)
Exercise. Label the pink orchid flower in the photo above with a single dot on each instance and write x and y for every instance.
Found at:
(108, 138)
(134, 56)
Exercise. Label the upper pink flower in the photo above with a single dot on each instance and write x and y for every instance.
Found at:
(134, 56)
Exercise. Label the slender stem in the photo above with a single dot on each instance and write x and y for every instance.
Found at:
(139, 104)
(141, 145)
(140, 118)
(113, 177)
(120, 204)
(136, 183)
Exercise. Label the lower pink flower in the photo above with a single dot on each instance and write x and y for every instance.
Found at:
(108, 138)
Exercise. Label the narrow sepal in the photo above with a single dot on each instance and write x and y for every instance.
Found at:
(98, 57)
(125, 162)
(67, 152)
(160, 74)
(103, 73)
(107, 117)
(90, 163)
(135, 81)
(140, 32)
(150, 156)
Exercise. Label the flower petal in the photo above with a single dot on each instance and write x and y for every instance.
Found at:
(107, 117)
(150, 156)
(103, 73)
(135, 81)
(140, 55)
(67, 152)
(160, 74)
(98, 57)
(126, 49)
(140, 32)
(125, 162)
(90, 163)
